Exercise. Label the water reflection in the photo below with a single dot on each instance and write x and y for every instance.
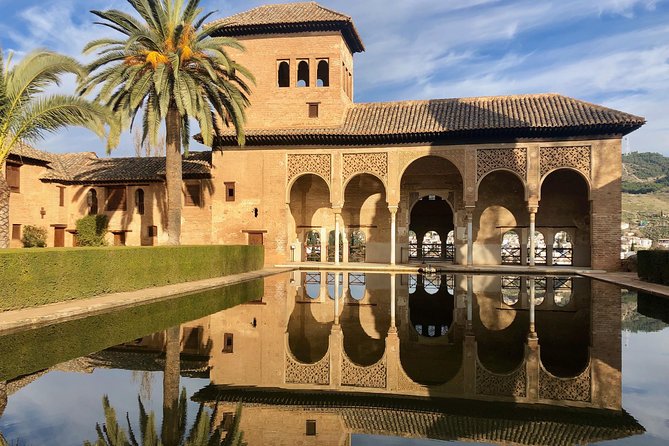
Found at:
(440, 357)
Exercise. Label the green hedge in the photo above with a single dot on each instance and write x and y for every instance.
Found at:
(653, 266)
(37, 277)
(29, 351)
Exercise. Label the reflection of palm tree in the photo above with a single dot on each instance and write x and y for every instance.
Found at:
(204, 432)
(3, 404)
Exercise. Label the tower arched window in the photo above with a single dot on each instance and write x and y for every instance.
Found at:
(323, 74)
(284, 74)
(92, 202)
(139, 201)
(303, 74)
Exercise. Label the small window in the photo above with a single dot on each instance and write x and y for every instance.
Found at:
(13, 176)
(139, 201)
(16, 232)
(323, 73)
(311, 428)
(284, 74)
(193, 194)
(92, 202)
(227, 343)
(61, 197)
(153, 231)
(116, 198)
(230, 191)
(303, 73)
(119, 238)
(313, 110)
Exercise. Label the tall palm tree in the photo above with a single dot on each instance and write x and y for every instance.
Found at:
(27, 113)
(168, 65)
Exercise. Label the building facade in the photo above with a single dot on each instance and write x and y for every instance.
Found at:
(323, 178)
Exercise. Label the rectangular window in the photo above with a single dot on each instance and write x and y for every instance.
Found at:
(153, 231)
(13, 176)
(116, 198)
(313, 110)
(193, 194)
(16, 232)
(227, 343)
(119, 238)
(311, 428)
(230, 191)
(61, 196)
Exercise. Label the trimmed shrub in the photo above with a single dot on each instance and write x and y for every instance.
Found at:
(653, 266)
(34, 237)
(92, 229)
(38, 277)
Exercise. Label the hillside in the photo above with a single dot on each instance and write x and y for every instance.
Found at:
(645, 172)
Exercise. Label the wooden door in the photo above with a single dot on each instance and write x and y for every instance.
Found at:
(59, 237)
(255, 238)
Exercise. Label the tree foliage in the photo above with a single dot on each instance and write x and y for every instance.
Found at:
(34, 236)
(92, 230)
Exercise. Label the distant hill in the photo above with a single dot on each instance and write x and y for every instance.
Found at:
(645, 172)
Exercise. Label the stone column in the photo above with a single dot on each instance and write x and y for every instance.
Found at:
(532, 334)
(393, 326)
(336, 347)
(337, 213)
(393, 233)
(324, 245)
(533, 218)
(470, 237)
(470, 304)
(336, 298)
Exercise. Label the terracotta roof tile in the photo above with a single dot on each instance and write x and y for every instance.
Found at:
(87, 168)
(22, 150)
(432, 120)
(287, 18)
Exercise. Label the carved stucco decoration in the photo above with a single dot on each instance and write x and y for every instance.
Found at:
(565, 389)
(576, 157)
(374, 163)
(299, 373)
(488, 160)
(373, 376)
(316, 163)
(513, 384)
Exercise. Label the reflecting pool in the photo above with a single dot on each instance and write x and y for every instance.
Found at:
(351, 359)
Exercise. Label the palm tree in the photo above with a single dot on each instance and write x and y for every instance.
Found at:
(204, 432)
(168, 65)
(27, 113)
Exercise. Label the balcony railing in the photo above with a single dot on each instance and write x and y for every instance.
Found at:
(434, 251)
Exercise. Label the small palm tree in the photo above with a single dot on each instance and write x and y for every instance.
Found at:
(170, 67)
(27, 113)
(204, 432)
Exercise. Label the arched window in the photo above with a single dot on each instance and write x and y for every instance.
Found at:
(92, 202)
(284, 74)
(356, 247)
(510, 290)
(413, 283)
(312, 284)
(431, 283)
(331, 246)
(331, 285)
(510, 248)
(563, 250)
(356, 285)
(539, 248)
(562, 289)
(413, 245)
(312, 246)
(432, 245)
(303, 74)
(323, 74)
(139, 201)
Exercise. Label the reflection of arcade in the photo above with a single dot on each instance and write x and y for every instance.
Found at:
(475, 337)
(333, 367)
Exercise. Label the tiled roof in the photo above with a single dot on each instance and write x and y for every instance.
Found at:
(78, 168)
(289, 18)
(22, 150)
(440, 119)
(439, 419)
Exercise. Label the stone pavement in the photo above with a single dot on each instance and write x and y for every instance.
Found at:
(629, 280)
(11, 321)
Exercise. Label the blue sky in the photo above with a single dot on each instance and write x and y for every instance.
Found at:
(611, 52)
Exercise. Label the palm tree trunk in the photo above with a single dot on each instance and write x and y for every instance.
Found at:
(3, 397)
(4, 211)
(170, 431)
(173, 174)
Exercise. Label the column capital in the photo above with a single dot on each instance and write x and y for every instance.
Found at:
(393, 208)
(532, 209)
(337, 208)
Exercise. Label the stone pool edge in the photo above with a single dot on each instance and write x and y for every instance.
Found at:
(34, 317)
